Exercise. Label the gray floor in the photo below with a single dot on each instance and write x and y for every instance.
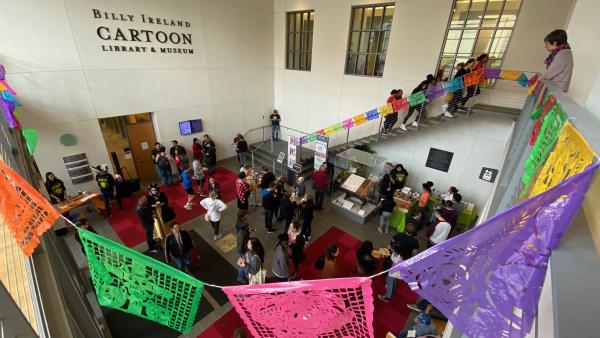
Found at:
(323, 220)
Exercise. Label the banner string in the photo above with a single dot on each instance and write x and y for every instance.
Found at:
(69, 222)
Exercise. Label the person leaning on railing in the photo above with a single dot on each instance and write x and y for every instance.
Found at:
(559, 64)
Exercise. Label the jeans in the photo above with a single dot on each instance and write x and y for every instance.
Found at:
(319, 196)
(215, 226)
(166, 176)
(182, 262)
(275, 129)
(242, 158)
(390, 121)
(149, 228)
(269, 219)
(106, 197)
(242, 274)
(384, 221)
(411, 110)
(390, 284)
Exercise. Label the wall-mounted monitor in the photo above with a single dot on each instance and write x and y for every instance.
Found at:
(190, 127)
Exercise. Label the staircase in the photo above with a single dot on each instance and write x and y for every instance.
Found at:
(264, 157)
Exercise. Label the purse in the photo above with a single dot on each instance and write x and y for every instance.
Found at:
(259, 277)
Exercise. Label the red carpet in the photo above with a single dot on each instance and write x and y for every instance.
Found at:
(126, 223)
(388, 316)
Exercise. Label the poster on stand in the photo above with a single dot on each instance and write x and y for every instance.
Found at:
(321, 150)
(292, 144)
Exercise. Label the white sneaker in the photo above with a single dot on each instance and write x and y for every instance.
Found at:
(403, 127)
(415, 124)
(214, 237)
(188, 206)
(444, 106)
(447, 114)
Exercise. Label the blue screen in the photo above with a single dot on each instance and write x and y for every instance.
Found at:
(196, 125)
(185, 127)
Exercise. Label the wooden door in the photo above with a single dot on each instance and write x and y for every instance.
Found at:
(141, 140)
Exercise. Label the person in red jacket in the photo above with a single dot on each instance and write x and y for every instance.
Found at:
(197, 150)
(320, 181)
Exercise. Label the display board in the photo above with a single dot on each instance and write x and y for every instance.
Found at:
(320, 151)
(439, 159)
(353, 182)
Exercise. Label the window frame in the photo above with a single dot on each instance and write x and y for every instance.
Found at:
(479, 28)
(308, 42)
(381, 31)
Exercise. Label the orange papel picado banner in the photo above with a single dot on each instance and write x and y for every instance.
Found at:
(24, 210)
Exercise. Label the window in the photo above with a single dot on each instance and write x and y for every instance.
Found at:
(368, 40)
(299, 39)
(477, 27)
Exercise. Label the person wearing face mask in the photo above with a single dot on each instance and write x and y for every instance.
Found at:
(144, 213)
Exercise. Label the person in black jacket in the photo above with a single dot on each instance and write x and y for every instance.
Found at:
(385, 187)
(386, 206)
(145, 214)
(210, 155)
(157, 199)
(286, 210)
(364, 256)
(178, 247)
(269, 203)
(106, 183)
(398, 176)
(307, 210)
(56, 188)
(297, 242)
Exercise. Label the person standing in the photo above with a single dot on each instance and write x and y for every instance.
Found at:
(429, 80)
(120, 188)
(559, 64)
(241, 148)
(280, 269)
(386, 206)
(158, 148)
(164, 168)
(252, 261)
(83, 223)
(320, 181)
(441, 230)
(330, 270)
(178, 247)
(296, 243)
(198, 175)
(145, 214)
(106, 183)
(307, 210)
(207, 141)
(242, 232)
(391, 119)
(214, 207)
(275, 127)
(279, 192)
(286, 209)
(186, 183)
(197, 150)
(385, 187)
(213, 185)
(424, 201)
(159, 199)
(398, 177)
(242, 191)
(210, 156)
(268, 203)
(178, 154)
(457, 95)
(392, 277)
(56, 188)
(408, 241)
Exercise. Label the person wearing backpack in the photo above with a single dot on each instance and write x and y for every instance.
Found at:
(106, 183)
(164, 166)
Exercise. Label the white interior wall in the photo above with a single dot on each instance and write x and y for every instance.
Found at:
(55, 63)
(583, 37)
(476, 142)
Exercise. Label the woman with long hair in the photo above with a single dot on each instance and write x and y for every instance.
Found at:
(330, 269)
(307, 210)
(56, 188)
(252, 261)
